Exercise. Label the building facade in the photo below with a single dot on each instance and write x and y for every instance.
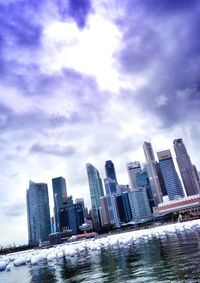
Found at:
(59, 197)
(111, 191)
(96, 191)
(142, 180)
(110, 170)
(122, 189)
(71, 217)
(133, 169)
(124, 209)
(104, 211)
(161, 180)
(170, 176)
(39, 223)
(139, 204)
(152, 173)
(186, 168)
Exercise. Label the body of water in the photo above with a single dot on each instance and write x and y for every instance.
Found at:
(168, 253)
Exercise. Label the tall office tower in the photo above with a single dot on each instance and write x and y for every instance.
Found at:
(96, 191)
(152, 173)
(124, 209)
(110, 170)
(142, 180)
(39, 224)
(170, 176)
(59, 197)
(71, 217)
(133, 168)
(85, 210)
(139, 204)
(104, 211)
(111, 191)
(161, 180)
(122, 189)
(110, 186)
(186, 168)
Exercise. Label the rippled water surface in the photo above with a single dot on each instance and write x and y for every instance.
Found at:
(163, 257)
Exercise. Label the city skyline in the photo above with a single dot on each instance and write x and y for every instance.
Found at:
(82, 82)
(60, 184)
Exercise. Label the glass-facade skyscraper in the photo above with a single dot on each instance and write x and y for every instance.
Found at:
(139, 204)
(186, 168)
(170, 176)
(110, 170)
(39, 224)
(142, 180)
(96, 191)
(111, 191)
(71, 217)
(59, 197)
(124, 208)
(133, 168)
(152, 173)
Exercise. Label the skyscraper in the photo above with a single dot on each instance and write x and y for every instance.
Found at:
(133, 168)
(186, 168)
(71, 217)
(142, 180)
(122, 188)
(59, 197)
(170, 176)
(152, 173)
(96, 191)
(39, 224)
(104, 211)
(139, 205)
(161, 180)
(111, 191)
(110, 170)
(124, 209)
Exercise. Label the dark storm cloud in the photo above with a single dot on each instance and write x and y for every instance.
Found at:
(161, 43)
(55, 149)
(76, 9)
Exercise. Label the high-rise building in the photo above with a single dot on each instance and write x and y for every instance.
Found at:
(124, 209)
(59, 197)
(122, 189)
(142, 180)
(186, 168)
(71, 218)
(139, 204)
(133, 168)
(110, 170)
(85, 210)
(161, 180)
(104, 211)
(39, 224)
(152, 173)
(111, 191)
(170, 176)
(96, 191)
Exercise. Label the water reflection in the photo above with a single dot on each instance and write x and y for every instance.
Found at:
(43, 273)
(76, 269)
(172, 258)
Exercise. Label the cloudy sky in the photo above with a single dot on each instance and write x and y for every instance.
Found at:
(86, 81)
